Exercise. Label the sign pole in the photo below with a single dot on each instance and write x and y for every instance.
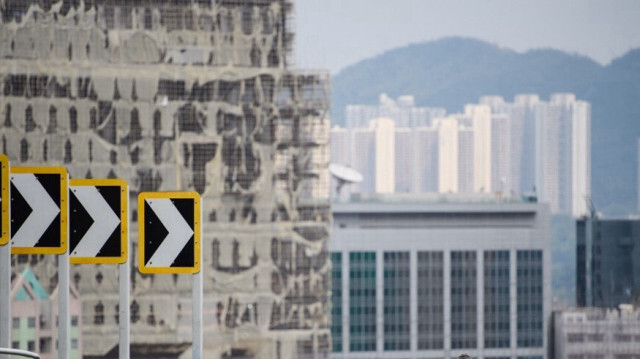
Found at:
(63, 306)
(124, 279)
(5, 256)
(5, 299)
(197, 302)
(124, 310)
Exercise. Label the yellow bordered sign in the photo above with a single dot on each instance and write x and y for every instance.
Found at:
(169, 229)
(38, 210)
(98, 224)
(4, 199)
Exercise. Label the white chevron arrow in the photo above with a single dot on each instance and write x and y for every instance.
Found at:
(105, 221)
(43, 210)
(179, 232)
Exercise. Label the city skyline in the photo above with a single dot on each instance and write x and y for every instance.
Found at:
(525, 147)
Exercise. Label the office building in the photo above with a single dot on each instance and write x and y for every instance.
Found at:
(604, 333)
(34, 318)
(608, 262)
(435, 276)
(189, 96)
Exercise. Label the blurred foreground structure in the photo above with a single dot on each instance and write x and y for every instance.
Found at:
(187, 95)
(34, 322)
(437, 276)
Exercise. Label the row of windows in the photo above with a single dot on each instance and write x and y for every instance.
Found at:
(45, 345)
(31, 322)
(580, 338)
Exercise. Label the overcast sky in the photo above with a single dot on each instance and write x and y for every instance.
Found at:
(333, 34)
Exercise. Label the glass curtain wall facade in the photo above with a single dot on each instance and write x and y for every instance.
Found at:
(396, 301)
(430, 300)
(362, 298)
(496, 300)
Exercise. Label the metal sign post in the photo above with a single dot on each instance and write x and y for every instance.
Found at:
(169, 237)
(124, 281)
(197, 307)
(63, 306)
(99, 233)
(5, 298)
(124, 321)
(5, 256)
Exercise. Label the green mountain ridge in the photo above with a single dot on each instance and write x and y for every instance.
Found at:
(454, 71)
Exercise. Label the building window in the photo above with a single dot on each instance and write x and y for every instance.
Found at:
(396, 301)
(496, 299)
(45, 345)
(135, 312)
(24, 150)
(31, 345)
(31, 322)
(336, 299)
(74, 320)
(622, 338)
(74, 343)
(529, 299)
(575, 337)
(463, 300)
(15, 344)
(362, 299)
(73, 120)
(15, 323)
(430, 289)
(98, 315)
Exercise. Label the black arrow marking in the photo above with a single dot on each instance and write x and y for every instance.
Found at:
(154, 232)
(20, 210)
(79, 221)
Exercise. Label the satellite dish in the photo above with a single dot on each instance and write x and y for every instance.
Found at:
(344, 175)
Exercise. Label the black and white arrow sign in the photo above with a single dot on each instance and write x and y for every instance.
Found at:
(38, 210)
(169, 229)
(97, 220)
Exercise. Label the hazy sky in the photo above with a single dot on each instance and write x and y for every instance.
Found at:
(333, 34)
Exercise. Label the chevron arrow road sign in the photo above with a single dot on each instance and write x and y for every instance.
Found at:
(38, 210)
(98, 220)
(169, 232)
(4, 199)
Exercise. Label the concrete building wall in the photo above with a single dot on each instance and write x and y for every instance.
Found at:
(481, 120)
(384, 130)
(501, 160)
(447, 154)
(405, 160)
